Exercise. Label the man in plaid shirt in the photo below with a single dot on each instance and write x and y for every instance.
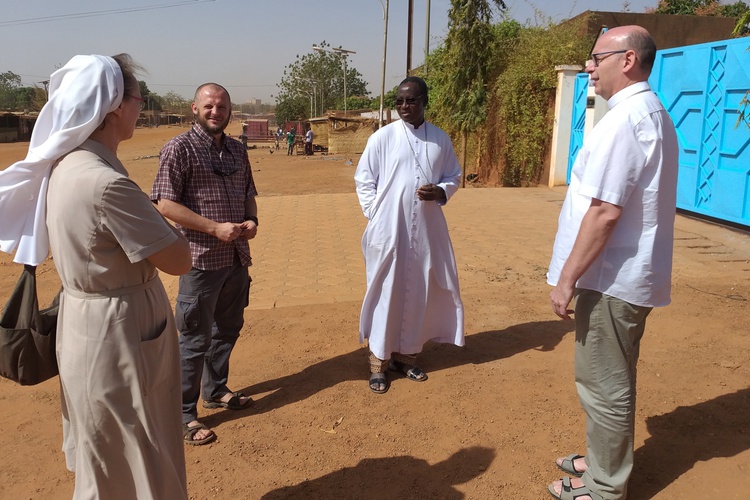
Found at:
(205, 185)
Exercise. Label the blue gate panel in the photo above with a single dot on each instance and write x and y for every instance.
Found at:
(701, 87)
(578, 121)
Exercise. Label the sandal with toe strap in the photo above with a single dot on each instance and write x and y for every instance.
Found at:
(569, 493)
(376, 379)
(568, 465)
(234, 403)
(410, 371)
(188, 433)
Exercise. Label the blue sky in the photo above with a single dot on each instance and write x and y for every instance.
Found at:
(242, 44)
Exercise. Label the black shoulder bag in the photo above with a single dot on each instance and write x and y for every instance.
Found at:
(27, 335)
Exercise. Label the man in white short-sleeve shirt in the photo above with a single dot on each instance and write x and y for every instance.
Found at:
(613, 252)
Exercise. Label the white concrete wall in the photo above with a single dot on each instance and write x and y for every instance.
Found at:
(566, 79)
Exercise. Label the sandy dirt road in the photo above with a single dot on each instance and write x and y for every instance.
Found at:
(492, 416)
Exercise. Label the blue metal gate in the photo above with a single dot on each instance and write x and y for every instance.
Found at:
(701, 86)
(578, 125)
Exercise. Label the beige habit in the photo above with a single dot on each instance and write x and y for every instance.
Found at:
(117, 343)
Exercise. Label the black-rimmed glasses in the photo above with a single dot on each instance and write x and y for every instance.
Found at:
(597, 57)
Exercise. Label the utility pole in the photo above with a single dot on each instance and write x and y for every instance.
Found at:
(385, 51)
(427, 38)
(410, 23)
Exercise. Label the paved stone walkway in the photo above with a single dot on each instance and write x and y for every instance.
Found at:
(308, 249)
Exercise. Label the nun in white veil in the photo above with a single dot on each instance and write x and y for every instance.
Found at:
(116, 339)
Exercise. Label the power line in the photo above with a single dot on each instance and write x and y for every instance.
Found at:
(223, 85)
(81, 15)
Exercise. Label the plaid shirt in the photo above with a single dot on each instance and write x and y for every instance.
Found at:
(212, 183)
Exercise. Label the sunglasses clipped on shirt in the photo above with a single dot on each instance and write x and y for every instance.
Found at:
(218, 170)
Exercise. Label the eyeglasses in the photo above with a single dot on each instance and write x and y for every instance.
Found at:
(597, 58)
(141, 99)
(411, 101)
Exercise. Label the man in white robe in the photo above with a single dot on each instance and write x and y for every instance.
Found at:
(407, 172)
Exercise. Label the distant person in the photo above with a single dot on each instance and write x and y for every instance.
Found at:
(613, 254)
(116, 337)
(309, 141)
(243, 136)
(290, 137)
(412, 284)
(205, 185)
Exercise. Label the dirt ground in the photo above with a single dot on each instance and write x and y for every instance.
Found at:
(492, 416)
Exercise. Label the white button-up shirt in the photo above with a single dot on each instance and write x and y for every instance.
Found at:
(629, 159)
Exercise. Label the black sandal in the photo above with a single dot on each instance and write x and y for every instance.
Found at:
(234, 403)
(377, 379)
(411, 372)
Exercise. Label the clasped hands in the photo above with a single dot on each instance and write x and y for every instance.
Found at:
(431, 192)
(229, 231)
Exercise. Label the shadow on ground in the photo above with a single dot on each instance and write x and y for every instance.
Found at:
(687, 435)
(395, 477)
(481, 347)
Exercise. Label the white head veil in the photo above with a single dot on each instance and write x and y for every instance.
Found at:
(81, 94)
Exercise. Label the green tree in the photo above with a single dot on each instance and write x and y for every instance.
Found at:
(519, 131)
(30, 98)
(739, 10)
(360, 102)
(684, 7)
(292, 109)
(701, 8)
(153, 101)
(741, 28)
(174, 103)
(318, 75)
(744, 111)
(462, 78)
(9, 85)
(736, 10)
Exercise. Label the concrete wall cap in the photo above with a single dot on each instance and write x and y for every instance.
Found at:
(569, 67)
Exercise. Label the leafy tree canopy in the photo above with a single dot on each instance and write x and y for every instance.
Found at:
(459, 71)
(316, 78)
(701, 8)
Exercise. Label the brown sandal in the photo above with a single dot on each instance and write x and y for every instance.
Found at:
(188, 433)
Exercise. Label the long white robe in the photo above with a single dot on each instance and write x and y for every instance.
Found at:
(412, 284)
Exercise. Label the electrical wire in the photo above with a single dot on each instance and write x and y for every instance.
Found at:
(81, 15)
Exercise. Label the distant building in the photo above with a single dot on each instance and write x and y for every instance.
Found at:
(16, 126)
(255, 129)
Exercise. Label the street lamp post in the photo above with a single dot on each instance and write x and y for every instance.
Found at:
(313, 97)
(343, 53)
(46, 89)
